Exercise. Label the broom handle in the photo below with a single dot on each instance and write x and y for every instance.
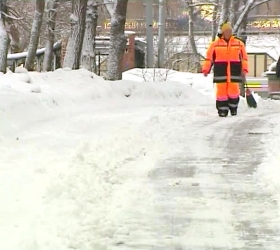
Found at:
(245, 82)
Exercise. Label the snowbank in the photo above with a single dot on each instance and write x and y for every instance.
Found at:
(26, 97)
(156, 74)
(195, 81)
(64, 87)
(32, 94)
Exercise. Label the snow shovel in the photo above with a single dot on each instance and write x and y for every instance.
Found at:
(249, 96)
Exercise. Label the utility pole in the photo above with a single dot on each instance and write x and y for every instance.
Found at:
(149, 33)
(161, 33)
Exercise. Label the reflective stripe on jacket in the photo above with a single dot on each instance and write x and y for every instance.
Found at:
(228, 58)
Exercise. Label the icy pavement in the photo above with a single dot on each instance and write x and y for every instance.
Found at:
(206, 196)
(168, 177)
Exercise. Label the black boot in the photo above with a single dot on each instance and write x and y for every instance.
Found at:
(233, 112)
(223, 113)
(233, 105)
(222, 107)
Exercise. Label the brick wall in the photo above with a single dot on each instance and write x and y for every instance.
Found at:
(129, 54)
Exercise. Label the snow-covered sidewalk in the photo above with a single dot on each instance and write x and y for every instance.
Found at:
(80, 160)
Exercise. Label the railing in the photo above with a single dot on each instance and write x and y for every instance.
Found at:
(102, 44)
(15, 60)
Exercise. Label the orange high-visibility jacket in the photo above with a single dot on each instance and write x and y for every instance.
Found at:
(228, 58)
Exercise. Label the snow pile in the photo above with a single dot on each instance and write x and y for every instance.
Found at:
(31, 96)
(61, 83)
(161, 92)
(156, 75)
(64, 87)
(271, 70)
(196, 81)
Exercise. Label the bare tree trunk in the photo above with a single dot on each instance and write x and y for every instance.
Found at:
(191, 35)
(3, 8)
(242, 35)
(234, 6)
(4, 38)
(4, 46)
(243, 27)
(245, 12)
(11, 28)
(214, 22)
(88, 51)
(51, 15)
(35, 34)
(75, 42)
(14, 36)
(117, 41)
(225, 11)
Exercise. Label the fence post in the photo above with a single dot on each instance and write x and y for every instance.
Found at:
(99, 61)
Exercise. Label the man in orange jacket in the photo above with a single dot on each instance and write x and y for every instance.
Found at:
(228, 56)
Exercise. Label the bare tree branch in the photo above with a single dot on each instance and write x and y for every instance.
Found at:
(224, 11)
(214, 21)
(11, 17)
(255, 5)
(201, 4)
(242, 15)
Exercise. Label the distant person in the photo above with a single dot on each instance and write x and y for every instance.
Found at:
(228, 56)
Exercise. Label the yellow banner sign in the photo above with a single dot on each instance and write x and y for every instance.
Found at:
(264, 24)
(135, 25)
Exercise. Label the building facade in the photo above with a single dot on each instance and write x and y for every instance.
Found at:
(263, 18)
(136, 16)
